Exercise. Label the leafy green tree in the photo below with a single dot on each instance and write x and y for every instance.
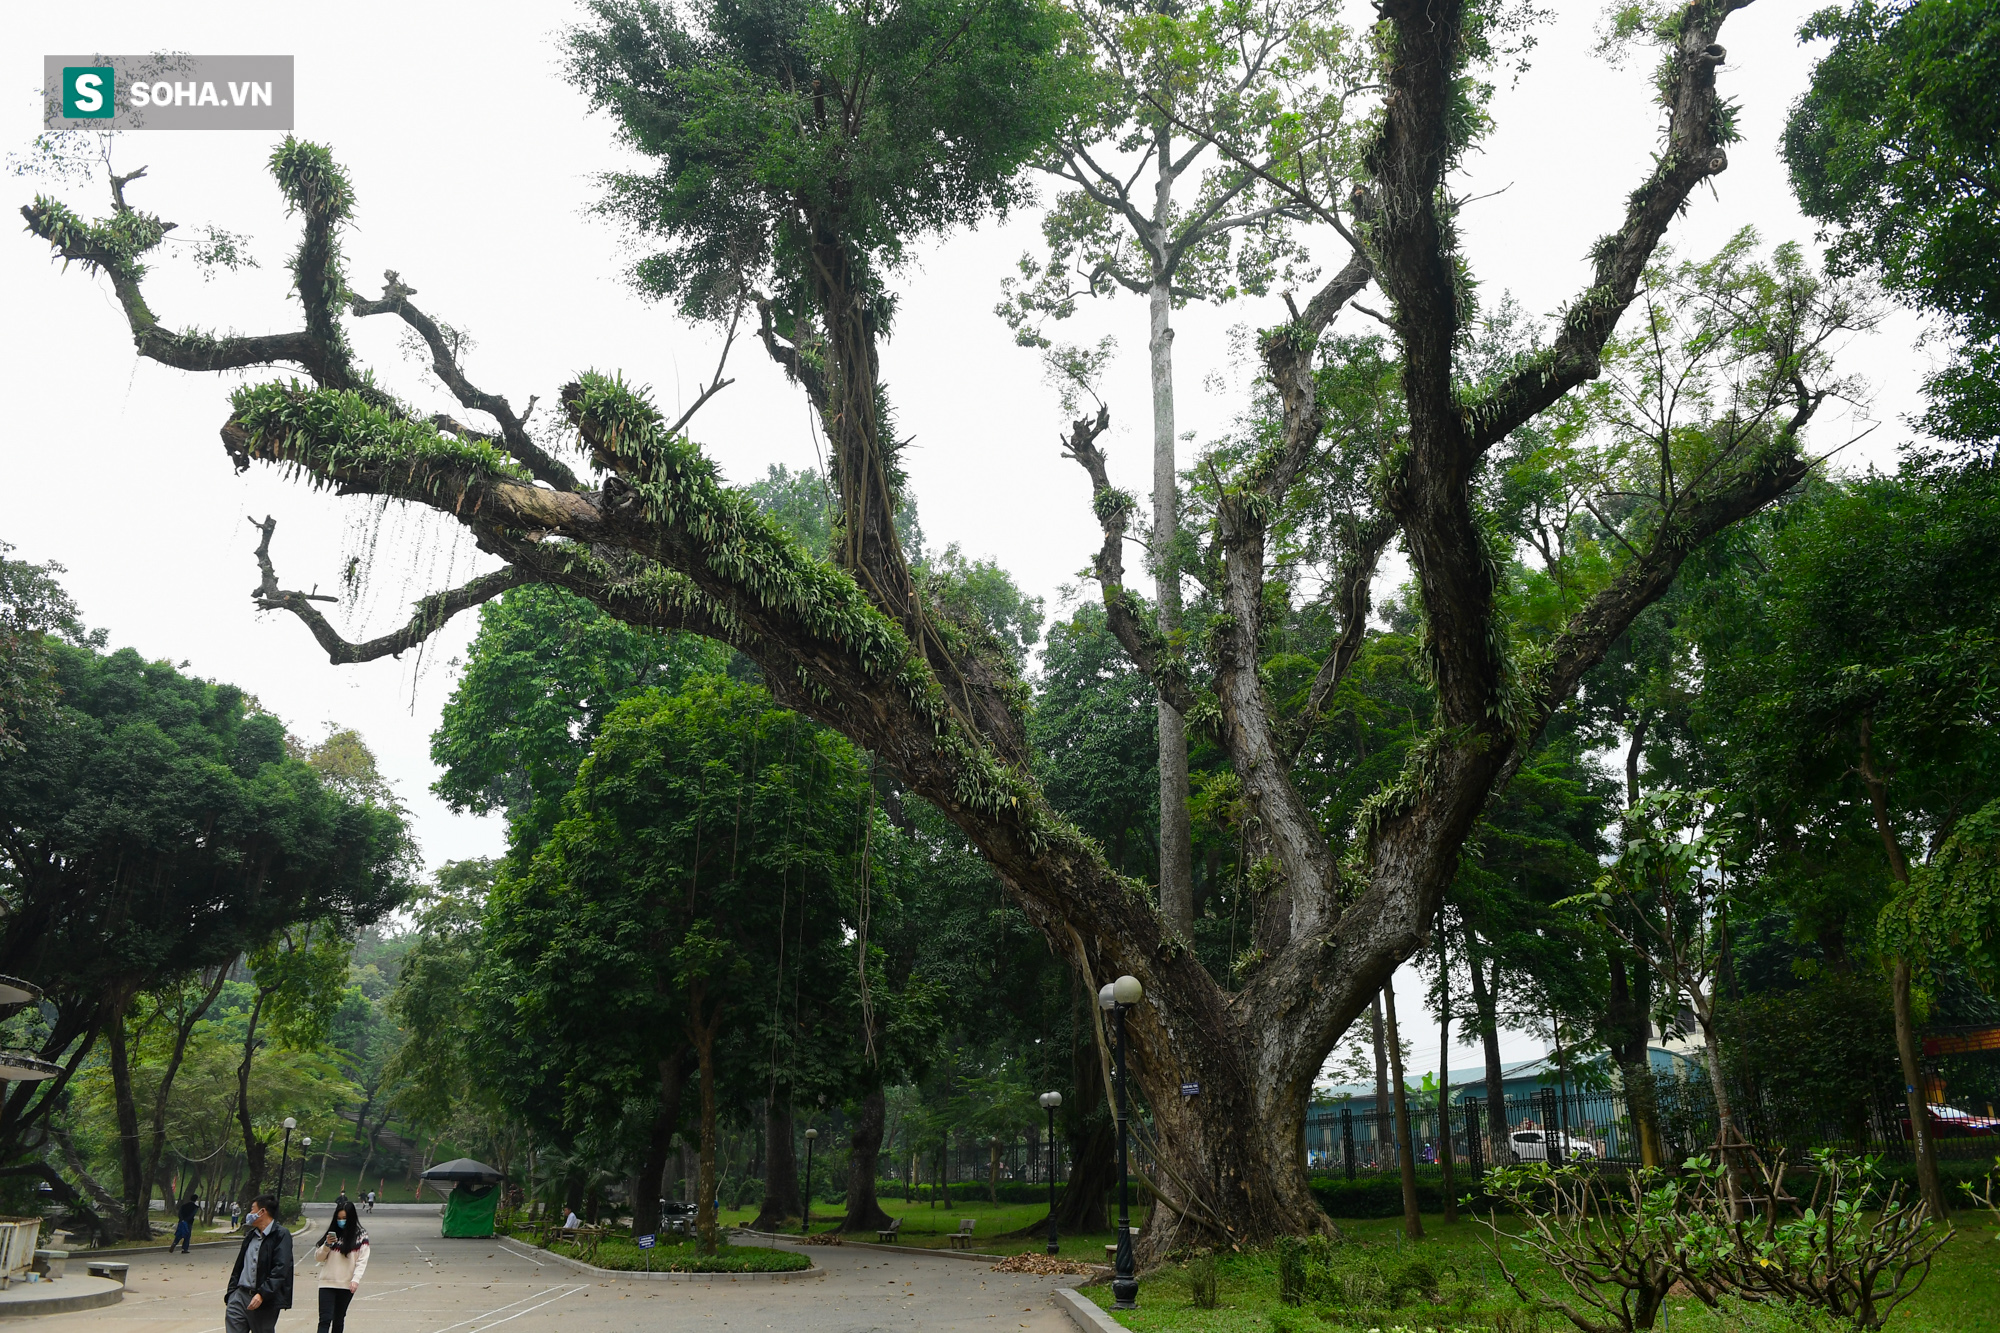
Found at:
(542, 674)
(35, 609)
(1093, 730)
(1892, 148)
(802, 145)
(706, 828)
(154, 829)
(1217, 128)
(1848, 682)
(929, 111)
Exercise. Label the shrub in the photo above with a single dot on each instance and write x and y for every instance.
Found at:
(1201, 1280)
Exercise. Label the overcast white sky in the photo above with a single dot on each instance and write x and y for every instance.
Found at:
(473, 163)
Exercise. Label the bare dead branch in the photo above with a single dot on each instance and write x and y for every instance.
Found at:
(395, 300)
(430, 615)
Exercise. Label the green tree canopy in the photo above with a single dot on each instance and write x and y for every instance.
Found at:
(1893, 148)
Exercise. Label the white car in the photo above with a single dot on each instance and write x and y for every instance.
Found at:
(1532, 1145)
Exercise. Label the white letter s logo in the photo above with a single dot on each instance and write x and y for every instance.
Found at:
(89, 92)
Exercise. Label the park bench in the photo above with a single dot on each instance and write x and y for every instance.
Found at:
(109, 1268)
(50, 1263)
(1111, 1250)
(961, 1239)
(888, 1234)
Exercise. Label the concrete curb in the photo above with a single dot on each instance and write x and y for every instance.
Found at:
(847, 1244)
(111, 1253)
(642, 1276)
(1084, 1312)
(64, 1303)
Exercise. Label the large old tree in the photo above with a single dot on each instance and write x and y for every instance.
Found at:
(800, 148)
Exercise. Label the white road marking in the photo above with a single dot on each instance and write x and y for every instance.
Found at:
(522, 1254)
(518, 1313)
(510, 1306)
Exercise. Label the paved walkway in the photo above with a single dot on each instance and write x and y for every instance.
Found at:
(419, 1283)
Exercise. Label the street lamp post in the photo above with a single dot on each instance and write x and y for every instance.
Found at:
(1050, 1101)
(285, 1159)
(805, 1223)
(1117, 997)
(305, 1151)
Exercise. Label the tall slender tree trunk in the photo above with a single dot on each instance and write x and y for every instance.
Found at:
(864, 1153)
(1382, 1147)
(1176, 835)
(704, 1046)
(783, 1203)
(1486, 999)
(135, 1182)
(1728, 1135)
(1445, 1149)
(1631, 1006)
(1921, 1140)
(253, 1147)
(1406, 1157)
(183, 1030)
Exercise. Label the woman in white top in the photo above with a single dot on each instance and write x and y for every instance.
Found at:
(343, 1258)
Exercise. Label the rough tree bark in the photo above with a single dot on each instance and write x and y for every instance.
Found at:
(864, 1154)
(1406, 1154)
(783, 1204)
(660, 1144)
(254, 1148)
(661, 542)
(1486, 1001)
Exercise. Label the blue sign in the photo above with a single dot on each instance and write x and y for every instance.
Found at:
(646, 1242)
(1190, 1089)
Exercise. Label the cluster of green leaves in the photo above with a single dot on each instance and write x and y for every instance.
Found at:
(784, 125)
(1892, 148)
(35, 611)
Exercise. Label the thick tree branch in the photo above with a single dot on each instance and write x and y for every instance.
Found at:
(1143, 643)
(1357, 578)
(101, 250)
(1694, 152)
(797, 367)
(395, 300)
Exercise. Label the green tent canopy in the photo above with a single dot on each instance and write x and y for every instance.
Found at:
(468, 1209)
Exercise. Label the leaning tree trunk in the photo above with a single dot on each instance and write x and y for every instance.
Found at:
(783, 1203)
(863, 1158)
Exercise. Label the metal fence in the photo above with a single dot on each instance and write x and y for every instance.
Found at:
(1560, 1125)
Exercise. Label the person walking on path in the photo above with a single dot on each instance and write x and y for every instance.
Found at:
(184, 1225)
(260, 1283)
(343, 1257)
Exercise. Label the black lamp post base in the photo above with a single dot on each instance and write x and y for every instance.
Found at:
(1124, 1293)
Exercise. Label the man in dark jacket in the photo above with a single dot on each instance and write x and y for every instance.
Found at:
(184, 1224)
(260, 1283)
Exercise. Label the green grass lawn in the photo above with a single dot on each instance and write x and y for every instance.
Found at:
(925, 1227)
(1962, 1294)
